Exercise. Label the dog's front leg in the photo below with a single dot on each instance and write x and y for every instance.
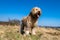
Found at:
(28, 29)
(34, 29)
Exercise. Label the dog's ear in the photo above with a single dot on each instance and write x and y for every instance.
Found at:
(30, 13)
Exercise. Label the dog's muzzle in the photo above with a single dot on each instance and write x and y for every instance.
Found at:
(38, 14)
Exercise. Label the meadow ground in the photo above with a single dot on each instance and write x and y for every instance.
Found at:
(12, 33)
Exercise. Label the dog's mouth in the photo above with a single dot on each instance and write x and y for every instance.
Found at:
(37, 14)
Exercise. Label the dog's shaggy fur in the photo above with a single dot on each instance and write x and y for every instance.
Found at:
(29, 22)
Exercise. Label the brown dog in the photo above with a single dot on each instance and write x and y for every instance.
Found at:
(29, 22)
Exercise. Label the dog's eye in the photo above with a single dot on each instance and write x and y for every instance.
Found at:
(33, 9)
(36, 9)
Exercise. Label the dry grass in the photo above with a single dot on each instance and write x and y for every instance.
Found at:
(12, 33)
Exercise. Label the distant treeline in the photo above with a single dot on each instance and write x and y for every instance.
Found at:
(10, 22)
(50, 26)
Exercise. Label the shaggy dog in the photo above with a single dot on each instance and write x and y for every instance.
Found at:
(29, 22)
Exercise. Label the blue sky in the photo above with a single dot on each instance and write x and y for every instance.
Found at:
(17, 9)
